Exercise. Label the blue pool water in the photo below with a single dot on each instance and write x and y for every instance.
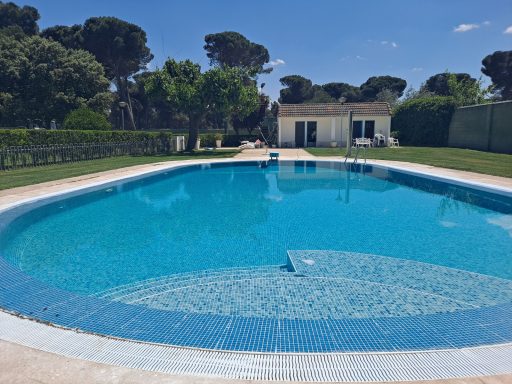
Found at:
(212, 241)
(238, 216)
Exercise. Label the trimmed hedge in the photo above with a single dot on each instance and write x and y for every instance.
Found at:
(22, 137)
(86, 119)
(425, 121)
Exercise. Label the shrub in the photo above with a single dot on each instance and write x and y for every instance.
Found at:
(86, 119)
(22, 137)
(207, 140)
(424, 121)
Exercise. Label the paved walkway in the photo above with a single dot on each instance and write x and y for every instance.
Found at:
(284, 154)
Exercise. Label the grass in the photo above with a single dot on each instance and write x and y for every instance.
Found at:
(28, 176)
(496, 164)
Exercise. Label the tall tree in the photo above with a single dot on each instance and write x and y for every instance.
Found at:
(375, 84)
(121, 48)
(23, 17)
(387, 96)
(69, 37)
(319, 95)
(498, 66)
(466, 92)
(343, 90)
(438, 84)
(194, 93)
(40, 79)
(233, 50)
(298, 89)
(253, 119)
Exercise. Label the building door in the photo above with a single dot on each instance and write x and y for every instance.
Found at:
(311, 134)
(357, 129)
(369, 129)
(300, 133)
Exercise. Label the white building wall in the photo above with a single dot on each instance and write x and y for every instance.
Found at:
(323, 130)
(382, 125)
(286, 126)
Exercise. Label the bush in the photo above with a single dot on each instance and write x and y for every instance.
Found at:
(86, 119)
(207, 139)
(424, 121)
(22, 137)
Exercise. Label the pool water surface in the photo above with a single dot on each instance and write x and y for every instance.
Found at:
(286, 256)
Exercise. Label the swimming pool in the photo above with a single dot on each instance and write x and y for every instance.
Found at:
(289, 257)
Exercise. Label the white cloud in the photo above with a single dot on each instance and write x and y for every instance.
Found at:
(392, 43)
(486, 23)
(360, 57)
(277, 62)
(417, 69)
(508, 31)
(465, 27)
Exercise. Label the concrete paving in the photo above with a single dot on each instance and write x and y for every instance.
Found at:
(20, 364)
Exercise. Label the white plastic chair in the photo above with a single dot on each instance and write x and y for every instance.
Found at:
(393, 142)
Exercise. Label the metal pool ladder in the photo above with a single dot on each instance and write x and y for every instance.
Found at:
(359, 143)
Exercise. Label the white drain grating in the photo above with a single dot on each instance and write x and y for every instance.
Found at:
(354, 367)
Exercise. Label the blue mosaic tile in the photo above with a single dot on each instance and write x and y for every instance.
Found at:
(317, 306)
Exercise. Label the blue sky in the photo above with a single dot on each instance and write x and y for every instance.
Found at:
(324, 40)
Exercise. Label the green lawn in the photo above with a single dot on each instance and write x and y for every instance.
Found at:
(463, 159)
(28, 176)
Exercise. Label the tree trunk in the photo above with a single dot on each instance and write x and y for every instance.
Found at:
(193, 131)
(130, 109)
(124, 94)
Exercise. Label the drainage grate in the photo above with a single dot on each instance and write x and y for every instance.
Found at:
(333, 367)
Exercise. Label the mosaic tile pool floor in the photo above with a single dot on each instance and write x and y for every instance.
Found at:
(322, 301)
(322, 285)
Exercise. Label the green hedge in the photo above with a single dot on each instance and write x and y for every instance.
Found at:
(21, 137)
(424, 121)
(86, 119)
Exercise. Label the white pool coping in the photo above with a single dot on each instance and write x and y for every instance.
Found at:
(325, 367)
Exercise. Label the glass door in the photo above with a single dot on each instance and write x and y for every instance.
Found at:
(300, 130)
(369, 129)
(357, 129)
(311, 134)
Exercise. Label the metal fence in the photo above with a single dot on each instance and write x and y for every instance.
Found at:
(41, 155)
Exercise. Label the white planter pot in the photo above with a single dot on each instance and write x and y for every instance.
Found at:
(334, 144)
(218, 143)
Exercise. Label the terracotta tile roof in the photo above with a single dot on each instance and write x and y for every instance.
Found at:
(334, 109)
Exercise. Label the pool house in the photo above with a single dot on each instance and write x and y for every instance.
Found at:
(326, 124)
